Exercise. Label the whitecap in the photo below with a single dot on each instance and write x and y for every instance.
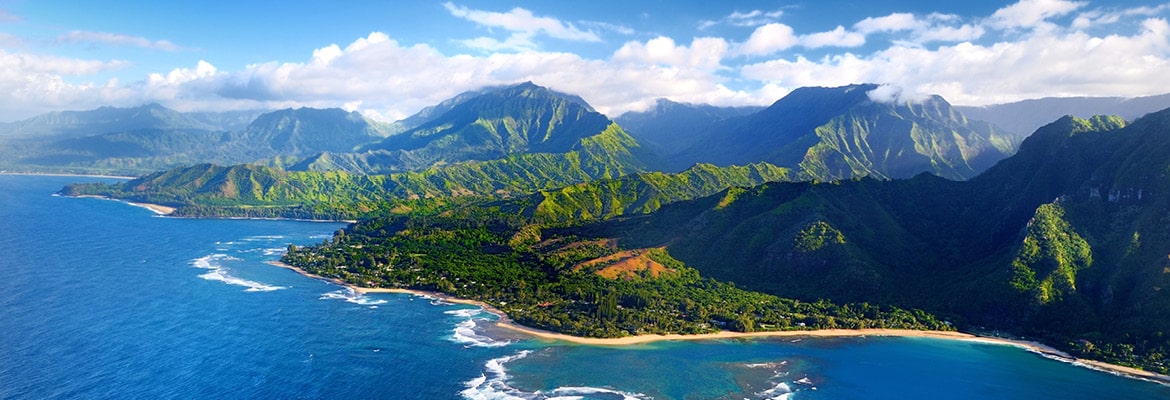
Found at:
(493, 384)
(580, 392)
(465, 333)
(464, 312)
(352, 296)
(217, 272)
(263, 238)
(780, 391)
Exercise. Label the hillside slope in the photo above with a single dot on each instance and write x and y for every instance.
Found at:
(843, 132)
(1064, 241)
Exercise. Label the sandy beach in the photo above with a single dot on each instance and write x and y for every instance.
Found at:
(506, 323)
(157, 208)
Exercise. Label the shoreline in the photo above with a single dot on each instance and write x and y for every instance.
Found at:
(166, 211)
(540, 334)
(158, 209)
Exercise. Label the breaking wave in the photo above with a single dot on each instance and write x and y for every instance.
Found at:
(493, 384)
(465, 333)
(217, 272)
(352, 296)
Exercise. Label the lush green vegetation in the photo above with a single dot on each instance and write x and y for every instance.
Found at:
(351, 195)
(547, 280)
(640, 193)
(1064, 242)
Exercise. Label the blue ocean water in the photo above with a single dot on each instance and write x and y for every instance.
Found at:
(103, 300)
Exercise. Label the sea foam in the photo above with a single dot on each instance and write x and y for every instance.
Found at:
(352, 296)
(217, 272)
(465, 333)
(493, 384)
(781, 388)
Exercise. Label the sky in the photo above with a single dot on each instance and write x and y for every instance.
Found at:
(389, 59)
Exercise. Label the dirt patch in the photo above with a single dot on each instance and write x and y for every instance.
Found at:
(627, 264)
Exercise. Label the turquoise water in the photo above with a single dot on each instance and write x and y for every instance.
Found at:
(103, 300)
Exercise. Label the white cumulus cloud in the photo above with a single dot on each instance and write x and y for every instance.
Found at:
(1032, 13)
(968, 60)
(768, 39)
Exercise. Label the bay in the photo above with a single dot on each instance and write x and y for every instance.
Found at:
(103, 300)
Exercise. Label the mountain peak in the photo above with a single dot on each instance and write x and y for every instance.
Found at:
(499, 121)
(533, 91)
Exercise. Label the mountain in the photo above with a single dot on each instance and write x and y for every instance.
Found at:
(508, 142)
(142, 150)
(838, 133)
(114, 119)
(1023, 117)
(668, 126)
(151, 138)
(305, 131)
(491, 124)
(1064, 241)
(431, 112)
(638, 193)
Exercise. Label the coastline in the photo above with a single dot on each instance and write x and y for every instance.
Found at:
(166, 211)
(507, 323)
(158, 209)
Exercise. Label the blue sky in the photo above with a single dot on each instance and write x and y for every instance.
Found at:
(389, 59)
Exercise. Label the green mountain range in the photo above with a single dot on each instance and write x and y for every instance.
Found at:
(494, 124)
(1063, 241)
(512, 141)
(842, 132)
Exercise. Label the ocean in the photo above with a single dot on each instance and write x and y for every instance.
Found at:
(103, 300)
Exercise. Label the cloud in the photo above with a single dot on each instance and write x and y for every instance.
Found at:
(931, 28)
(769, 39)
(891, 23)
(116, 39)
(892, 94)
(835, 38)
(966, 60)
(385, 79)
(1032, 13)
(703, 53)
(616, 28)
(1070, 64)
(751, 18)
(33, 83)
(523, 24)
(1101, 17)
(776, 37)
